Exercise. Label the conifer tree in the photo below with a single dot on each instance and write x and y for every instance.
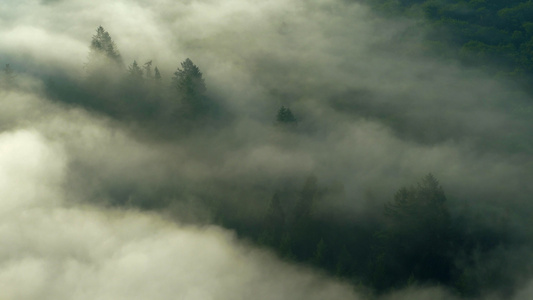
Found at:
(135, 72)
(417, 237)
(285, 116)
(157, 75)
(147, 70)
(190, 85)
(103, 51)
(188, 80)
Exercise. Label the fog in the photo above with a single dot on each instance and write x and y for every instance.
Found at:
(95, 204)
(58, 248)
(53, 250)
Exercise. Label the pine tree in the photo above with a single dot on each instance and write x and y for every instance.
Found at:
(344, 262)
(188, 80)
(285, 116)
(147, 70)
(135, 72)
(157, 75)
(190, 86)
(103, 43)
(103, 51)
(418, 234)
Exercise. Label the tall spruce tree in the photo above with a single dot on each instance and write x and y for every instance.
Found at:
(190, 85)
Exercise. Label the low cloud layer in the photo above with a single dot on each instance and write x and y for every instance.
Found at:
(376, 112)
(54, 250)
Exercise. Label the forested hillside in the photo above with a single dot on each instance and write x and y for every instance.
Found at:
(414, 239)
(276, 150)
(492, 33)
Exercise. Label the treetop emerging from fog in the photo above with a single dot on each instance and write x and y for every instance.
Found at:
(103, 46)
(188, 79)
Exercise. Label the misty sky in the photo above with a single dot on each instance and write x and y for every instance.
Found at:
(376, 112)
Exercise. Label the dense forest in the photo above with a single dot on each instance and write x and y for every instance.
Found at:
(281, 175)
(495, 34)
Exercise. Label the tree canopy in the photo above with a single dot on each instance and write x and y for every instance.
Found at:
(188, 80)
(135, 72)
(103, 50)
(190, 85)
(480, 32)
(285, 116)
(416, 240)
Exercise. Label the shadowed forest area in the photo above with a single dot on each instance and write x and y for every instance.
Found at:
(401, 163)
(478, 32)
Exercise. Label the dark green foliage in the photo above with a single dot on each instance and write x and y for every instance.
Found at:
(188, 80)
(419, 242)
(135, 72)
(285, 116)
(190, 85)
(157, 75)
(274, 224)
(103, 46)
(344, 266)
(147, 70)
(416, 241)
(481, 33)
(320, 252)
(285, 247)
(137, 93)
(308, 195)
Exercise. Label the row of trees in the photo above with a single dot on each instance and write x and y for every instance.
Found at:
(187, 97)
(413, 244)
(139, 92)
(418, 241)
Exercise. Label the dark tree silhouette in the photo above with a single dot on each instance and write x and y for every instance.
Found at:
(285, 116)
(188, 80)
(157, 75)
(147, 70)
(135, 72)
(103, 51)
(416, 243)
(190, 85)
